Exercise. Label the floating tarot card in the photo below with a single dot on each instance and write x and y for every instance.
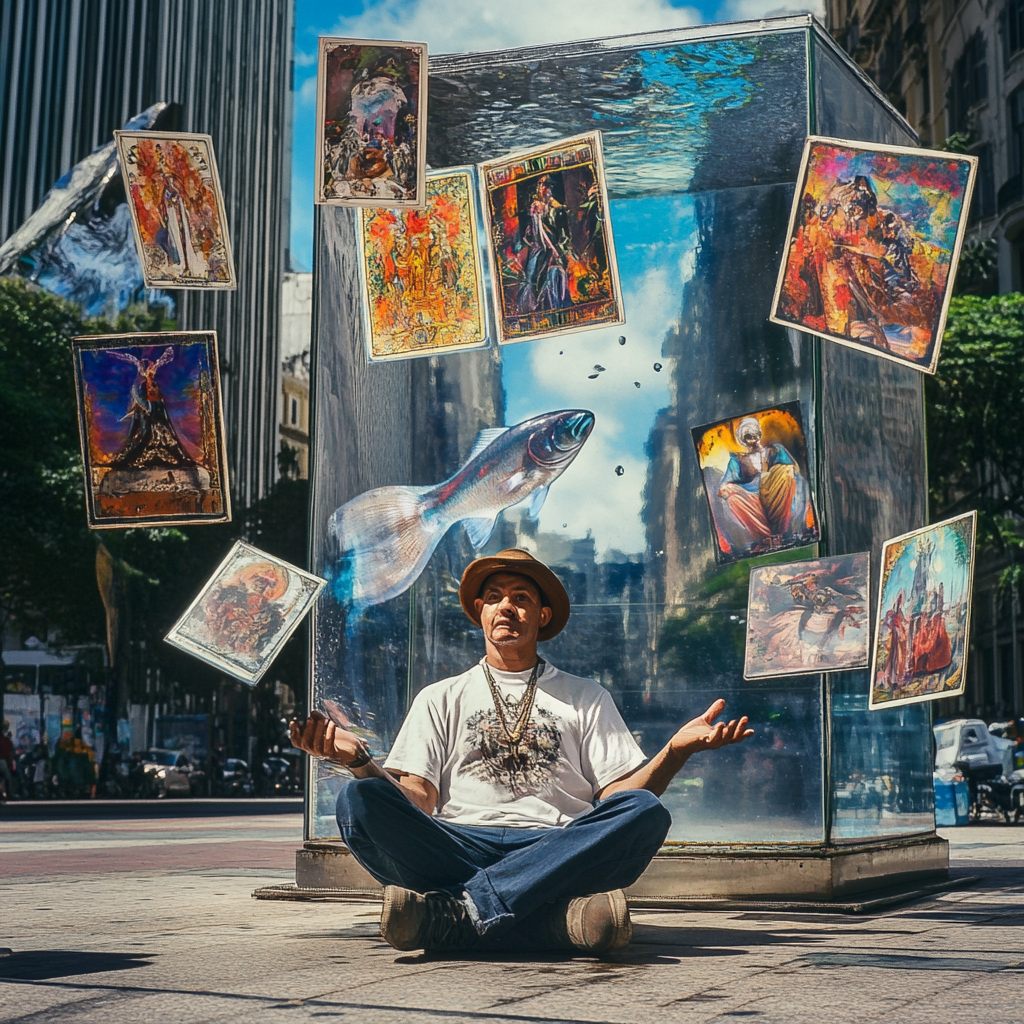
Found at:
(152, 431)
(422, 273)
(874, 239)
(371, 119)
(551, 243)
(250, 606)
(181, 229)
(805, 617)
(756, 482)
(924, 614)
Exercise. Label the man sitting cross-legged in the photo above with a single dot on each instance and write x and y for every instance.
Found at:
(515, 805)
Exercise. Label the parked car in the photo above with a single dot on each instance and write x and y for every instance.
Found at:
(235, 778)
(966, 748)
(170, 773)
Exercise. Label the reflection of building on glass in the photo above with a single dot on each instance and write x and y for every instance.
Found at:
(296, 313)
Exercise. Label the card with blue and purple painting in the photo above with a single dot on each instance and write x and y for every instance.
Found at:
(152, 430)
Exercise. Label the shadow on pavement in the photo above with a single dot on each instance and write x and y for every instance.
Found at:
(45, 964)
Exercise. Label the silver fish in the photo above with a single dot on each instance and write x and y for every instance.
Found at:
(384, 538)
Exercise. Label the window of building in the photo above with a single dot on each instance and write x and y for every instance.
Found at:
(1015, 119)
(984, 202)
(1011, 23)
(293, 416)
(969, 84)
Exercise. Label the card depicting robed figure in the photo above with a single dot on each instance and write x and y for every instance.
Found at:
(242, 617)
(152, 431)
(874, 239)
(371, 118)
(808, 617)
(552, 251)
(757, 483)
(422, 273)
(924, 614)
(177, 207)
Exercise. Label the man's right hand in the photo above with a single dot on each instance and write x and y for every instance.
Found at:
(319, 736)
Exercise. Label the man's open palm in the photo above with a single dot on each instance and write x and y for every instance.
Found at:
(702, 733)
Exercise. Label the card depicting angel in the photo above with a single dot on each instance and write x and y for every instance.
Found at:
(756, 482)
(874, 239)
(250, 606)
(422, 273)
(924, 614)
(551, 244)
(371, 118)
(177, 207)
(152, 430)
(807, 617)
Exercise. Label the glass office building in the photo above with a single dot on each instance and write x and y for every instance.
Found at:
(703, 131)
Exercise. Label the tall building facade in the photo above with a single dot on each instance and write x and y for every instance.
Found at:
(73, 71)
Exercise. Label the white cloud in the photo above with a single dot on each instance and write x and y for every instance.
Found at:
(751, 10)
(454, 26)
(306, 95)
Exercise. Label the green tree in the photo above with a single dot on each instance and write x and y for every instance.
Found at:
(975, 420)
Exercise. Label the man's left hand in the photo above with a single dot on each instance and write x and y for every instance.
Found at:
(704, 734)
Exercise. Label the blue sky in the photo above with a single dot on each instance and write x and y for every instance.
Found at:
(450, 26)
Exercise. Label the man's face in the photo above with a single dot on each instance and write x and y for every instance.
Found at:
(510, 610)
(751, 438)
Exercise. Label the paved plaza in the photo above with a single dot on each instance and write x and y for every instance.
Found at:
(152, 921)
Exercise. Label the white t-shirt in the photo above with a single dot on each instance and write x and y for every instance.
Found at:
(576, 743)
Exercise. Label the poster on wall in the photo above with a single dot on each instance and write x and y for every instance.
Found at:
(152, 430)
(177, 207)
(756, 482)
(924, 614)
(422, 277)
(874, 239)
(371, 118)
(250, 606)
(550, 236)
(808, 617)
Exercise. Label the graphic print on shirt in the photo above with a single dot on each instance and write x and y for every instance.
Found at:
(490, 758)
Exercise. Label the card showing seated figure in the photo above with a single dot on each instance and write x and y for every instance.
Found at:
(151, 427)
(552, 252)
(756, 481)
(924, 614)
(371, 118)
(242, 617)
(807, 617)
(874, 240)
(181, 228)
(422, 273)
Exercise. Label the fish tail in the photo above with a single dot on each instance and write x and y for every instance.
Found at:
(382, 541)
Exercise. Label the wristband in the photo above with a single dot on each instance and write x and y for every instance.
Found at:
(364, 758)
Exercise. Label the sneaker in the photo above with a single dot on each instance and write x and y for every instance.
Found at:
(590, 924)
(434, 920)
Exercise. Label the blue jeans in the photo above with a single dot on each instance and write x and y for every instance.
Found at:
(507, 872)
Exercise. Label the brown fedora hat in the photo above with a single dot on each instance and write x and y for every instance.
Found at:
(522, 563)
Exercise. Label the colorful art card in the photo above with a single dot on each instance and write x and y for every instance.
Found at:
(756, 482)
(371, 118)
(422, 273)
(924, 614)
(250, 606)
(874, 240)
(808, 617)
(152, 429)
(181, 228)
(551, 242)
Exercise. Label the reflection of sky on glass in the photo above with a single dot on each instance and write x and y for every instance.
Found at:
(945, 570)
(654, 240)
